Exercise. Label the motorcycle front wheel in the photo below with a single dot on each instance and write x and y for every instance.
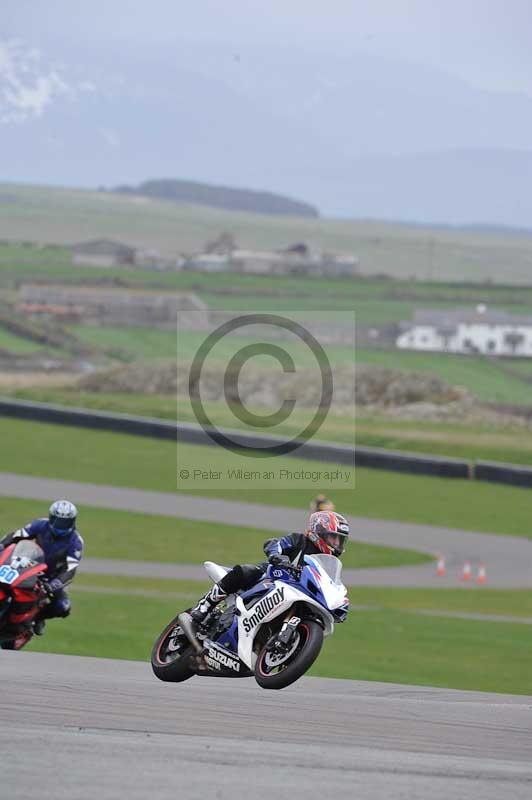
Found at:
(275, 670)
(170, 655)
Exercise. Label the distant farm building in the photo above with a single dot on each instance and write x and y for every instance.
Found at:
(480, 331)
(134, 307)
(108, 253)
(102, 253)
(298, 259)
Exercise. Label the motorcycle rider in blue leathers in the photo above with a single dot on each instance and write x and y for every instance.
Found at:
(62, 545)
(327, 533)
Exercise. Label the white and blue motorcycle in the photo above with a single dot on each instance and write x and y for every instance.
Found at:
(273, 631)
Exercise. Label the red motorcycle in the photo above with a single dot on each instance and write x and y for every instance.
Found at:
(22, 596)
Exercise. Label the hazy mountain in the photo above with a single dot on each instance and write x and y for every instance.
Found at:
(354, 136)
(369, 104)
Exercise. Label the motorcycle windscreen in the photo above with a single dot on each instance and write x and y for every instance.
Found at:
(331, 565)
(29, 549)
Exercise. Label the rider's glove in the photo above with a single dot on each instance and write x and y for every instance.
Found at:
(53, 586)
(279, 560)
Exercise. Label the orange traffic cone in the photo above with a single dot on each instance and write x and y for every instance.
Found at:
(440, 567)
(481, 577)
(466, 572)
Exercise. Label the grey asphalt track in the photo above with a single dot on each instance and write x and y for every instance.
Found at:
(508, 559)
(77, 728)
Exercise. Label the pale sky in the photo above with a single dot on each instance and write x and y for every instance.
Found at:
(487, 42)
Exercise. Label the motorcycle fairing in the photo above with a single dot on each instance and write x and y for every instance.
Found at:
(229, 637)
(215, 571)
(282, 596)
(6, 554)
(26, 579)
(331, 592)
(253, 595)
(221, 662)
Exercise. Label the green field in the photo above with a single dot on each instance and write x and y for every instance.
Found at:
(117, 459)
(60, 215)
(18, 345)
(144, 537)
(390, 644)
(135, 343)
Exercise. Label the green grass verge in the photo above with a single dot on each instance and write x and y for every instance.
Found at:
(145, 537)
(390, 645)
(144, 405)
(473, 442)
(33, 448)
(400, 647)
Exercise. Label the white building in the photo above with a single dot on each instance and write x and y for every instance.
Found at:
(494, 333)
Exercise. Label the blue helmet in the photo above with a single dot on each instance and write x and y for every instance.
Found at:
(62, 517)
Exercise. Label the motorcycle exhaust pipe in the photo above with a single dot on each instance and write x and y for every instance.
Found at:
(187, 624)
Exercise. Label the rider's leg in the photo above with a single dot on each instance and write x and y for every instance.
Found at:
(59, 607)
(242, 576)
(207, 603)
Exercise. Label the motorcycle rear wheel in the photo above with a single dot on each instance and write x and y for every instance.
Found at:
(276, 672)
(170, 655)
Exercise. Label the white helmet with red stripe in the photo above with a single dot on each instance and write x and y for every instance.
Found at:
(328, 531)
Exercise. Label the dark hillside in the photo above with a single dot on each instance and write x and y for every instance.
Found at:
(204, 194)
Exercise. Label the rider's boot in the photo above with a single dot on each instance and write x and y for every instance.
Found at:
(207, 603)
(38, 627)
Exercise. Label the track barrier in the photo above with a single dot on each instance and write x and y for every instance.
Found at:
(496, 472)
